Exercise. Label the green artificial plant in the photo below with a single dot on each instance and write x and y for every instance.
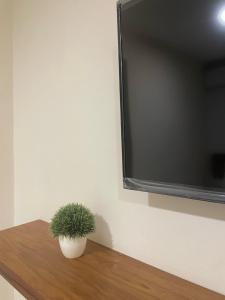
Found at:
(73, 221)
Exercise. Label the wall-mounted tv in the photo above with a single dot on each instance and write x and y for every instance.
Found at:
(172, 82)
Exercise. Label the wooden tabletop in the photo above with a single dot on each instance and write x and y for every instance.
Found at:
(31, 261)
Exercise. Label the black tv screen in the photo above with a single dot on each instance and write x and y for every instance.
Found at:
(172, 82)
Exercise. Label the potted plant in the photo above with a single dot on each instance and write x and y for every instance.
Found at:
(71, 225)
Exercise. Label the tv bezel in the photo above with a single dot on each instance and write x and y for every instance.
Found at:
(177, 190)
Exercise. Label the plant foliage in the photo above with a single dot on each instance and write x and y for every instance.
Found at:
(73, 220)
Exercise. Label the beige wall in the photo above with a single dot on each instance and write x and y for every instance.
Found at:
(67, 143)
(6, 125)
(6, 121)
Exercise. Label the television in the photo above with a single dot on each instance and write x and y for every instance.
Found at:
(172, 87)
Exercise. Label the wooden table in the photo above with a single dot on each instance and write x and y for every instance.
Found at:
(31, 261)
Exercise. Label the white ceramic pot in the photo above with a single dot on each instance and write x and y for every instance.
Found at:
(72, 248)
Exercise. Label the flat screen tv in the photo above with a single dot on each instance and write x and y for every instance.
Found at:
(172, 82)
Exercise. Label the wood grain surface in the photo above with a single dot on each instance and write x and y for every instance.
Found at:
(30, 259)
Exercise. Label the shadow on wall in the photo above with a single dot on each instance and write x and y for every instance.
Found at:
(102, 234)
(188, 206)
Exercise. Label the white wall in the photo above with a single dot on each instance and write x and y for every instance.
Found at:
(67, 143)
(6, 126)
